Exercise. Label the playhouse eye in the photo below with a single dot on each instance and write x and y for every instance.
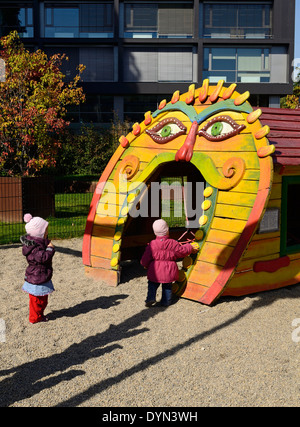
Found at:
(220, 128)
(166, 130)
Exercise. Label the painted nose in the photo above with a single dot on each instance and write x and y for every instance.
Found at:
(185, 153)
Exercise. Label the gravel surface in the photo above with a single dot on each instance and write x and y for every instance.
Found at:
(102, 347)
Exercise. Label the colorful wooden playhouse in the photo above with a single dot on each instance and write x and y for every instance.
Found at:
(247, 230)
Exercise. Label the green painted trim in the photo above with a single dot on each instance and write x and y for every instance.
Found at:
(190, 111)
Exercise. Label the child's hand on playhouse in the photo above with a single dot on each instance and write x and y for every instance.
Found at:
(195, 247)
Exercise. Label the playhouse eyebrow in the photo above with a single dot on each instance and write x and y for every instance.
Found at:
(189, 110)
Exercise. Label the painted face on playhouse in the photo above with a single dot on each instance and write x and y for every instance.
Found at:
(211, 141)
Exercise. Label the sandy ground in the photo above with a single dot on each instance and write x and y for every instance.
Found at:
(102, 347)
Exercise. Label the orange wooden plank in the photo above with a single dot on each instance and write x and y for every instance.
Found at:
(101, 247)
(227, 238)
(263, 193)
(105, 221)
(100, 262)
(258, 249)
(204, 273)
(86, 244)
(102, 231)
(214, 253)
(110, 277)
(194, 291)
(250, 282)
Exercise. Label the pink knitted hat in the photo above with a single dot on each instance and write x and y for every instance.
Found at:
(160, 227)
(35, 226)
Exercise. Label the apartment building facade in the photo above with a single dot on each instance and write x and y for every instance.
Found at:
(137, 53)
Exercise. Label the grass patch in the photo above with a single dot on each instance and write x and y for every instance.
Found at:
(71, 211)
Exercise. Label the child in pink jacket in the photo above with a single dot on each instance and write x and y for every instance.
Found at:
(160, 259)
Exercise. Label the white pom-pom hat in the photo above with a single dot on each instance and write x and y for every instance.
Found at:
(160, 227)
(35, 226)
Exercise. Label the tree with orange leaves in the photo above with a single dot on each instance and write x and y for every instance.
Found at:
(33, 101)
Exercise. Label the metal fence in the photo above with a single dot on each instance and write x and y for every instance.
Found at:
(63, 202)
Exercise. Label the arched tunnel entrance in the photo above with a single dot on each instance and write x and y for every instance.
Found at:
(173, 192)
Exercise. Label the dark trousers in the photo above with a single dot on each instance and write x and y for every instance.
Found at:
(166, 292)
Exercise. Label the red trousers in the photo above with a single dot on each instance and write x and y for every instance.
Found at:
(37, 306)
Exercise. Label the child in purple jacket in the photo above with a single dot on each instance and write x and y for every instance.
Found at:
(160, 259)
(39, 252)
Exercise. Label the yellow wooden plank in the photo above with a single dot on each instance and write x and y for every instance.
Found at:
(236, 226)
(246, 187)
(147, 154)
(277, 178)
(215, 253)
(235, 145)
(223, 237)
(234, 212)
(113, 197)
(276, 191)
(250, 158)
(105, 221)
(282, 277)
(239, 199)
(108, 209)
(264, 236)
(252, 175)
(294, 256)
(145, 141)
(248, 264)
(275, 203)
(256, 249)
(233, 114)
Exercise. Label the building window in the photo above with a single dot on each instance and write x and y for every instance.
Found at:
(99, 61)
(96, 109)
(237, 65)
(238, 20)
(136, 105)
(157, 20)
(85, 20)
(165, 64)
(290, 227)
(16, 18)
